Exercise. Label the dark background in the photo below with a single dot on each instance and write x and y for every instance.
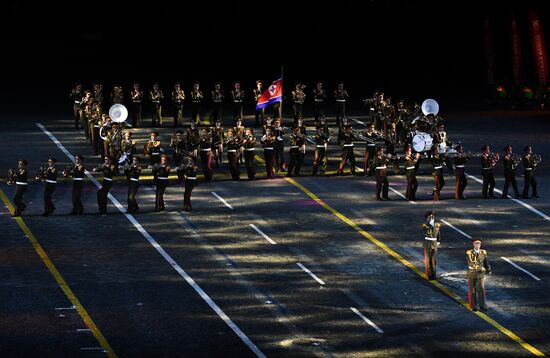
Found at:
(410, 49)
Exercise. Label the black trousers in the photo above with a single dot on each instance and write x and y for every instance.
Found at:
(136, 114)
(206, 160)
(18, 199)
(488, 184)
(132, 191)
(102, 195)
(412, 186)
(233, 159)
(298, 109)
(196, 112)
(178, 114)
(280, 155)
(78, 113)
(259, 116)
(382, 185)
(250, 164)
(269, 156)
(347, 154)
(188, 189)
(529, 181)
(237, 111)
(217, 114)
(78, 208)
(157, 115)
(439, 183)
(510, 178)
(318, 111)
(295, 163)
(461, 183)
(320, 157)
(340, 113)
(48, 193)
(159, 194)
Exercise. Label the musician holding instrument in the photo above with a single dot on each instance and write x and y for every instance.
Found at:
(530, 162)
(340, 96)
(488, 162)
(378, 166)
(103, 133)
(259, 113)
(187, 171)
(193, 140)
(237, 95)
(78, 112)
(109, 169)
(19, 178)
(440, 139)
(49, 176)
(127, 147)
(179, 147)
(76, 170)
(87, 105)
(460, 172)
(390, 139)
(319, 96)
(298, 99)
(117, 96)
(178, 96)
(113, 141)
(249, 144)
(510, 162)
(218, 138)
(137, 97)
(98, 93)
(196, 100)
(437, 172)
(161, 171)
(279, 131)
(233, 143)
(153, 148)
(133, 172)
(94, 124)
(205, 146)
(411, 161)
(346, 138)
(156, 96)
(322, 137)
(370, 136)
(217, 101)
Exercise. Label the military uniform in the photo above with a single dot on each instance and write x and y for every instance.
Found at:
(98, 94)
(109, 170)
(77, 172)
(340, 95)
(161, 172)
(178, 96)
(205, 146)
(137, 98)
(218, 138)
(296, 140)
(78, 112)
(410, 172)
(440, 139)
(233, 149)
(322, 136)
(478, 266)
(237, 95)
(370, 150)
(87, 105)
(488, 177)
(190, 175)
(156, 98)
(319, 96)
(346, 142)
(114, 140)
(391, 142)
(432, 239)
(153, 149)
(51, 183)
(258, 113)
(193, 140)
(509, 176)
(378, 166)
(95, 125)
(217, 101)
(460, 175)
(132, 174)
(20, 189)
(196, 100)
(268, 142)
(179, 146)
(128, 147)
(529, 165)
(280, 164)
(249, 153)
(117, 97)
(437, 172)
(298, 99)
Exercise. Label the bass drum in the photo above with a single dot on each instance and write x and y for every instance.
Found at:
(422, 142)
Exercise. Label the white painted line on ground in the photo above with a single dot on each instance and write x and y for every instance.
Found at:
(371, 323)
(456, 229)
(520, 202)
(262, 233)
(310, 273)
(222, 200)
(519, 267)
(167, 257)
(401, 195)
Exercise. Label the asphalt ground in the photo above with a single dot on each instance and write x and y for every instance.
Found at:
(311, 266)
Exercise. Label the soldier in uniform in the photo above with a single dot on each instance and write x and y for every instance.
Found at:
(205, 146)
(297, 140)
(440, 139)
(460, 175)
(346, 139)
(378, 166)
(137, 97)
(379, 105)
(152, 148)
(239, 132)
(133, 172)
(259, 113)
(94, 123)
(21, 187)
(189, 174)
(87, 104)
(98, 93)
(51, 181)
(370, 150)
(488, 163)
(509, 173)
(529, 165)
(478, 266)
(298, 99)
(117, 96)
(161, 170)
(437, 172)
(432, 239)
(193, 140)
(105, 124)
(156, 96)
(267, 124)
(279, 131)
(76, 170)
(196, 99)
(391, 142)
(218, 138)
(178, 96)
(179, 146)
(340, 95)
(237, 95)
(114, 140)
(410, 172)
(319, 95)
(128, 146)
(249, 143)
(109, 169)
(268, 142)
(78, 112)
(322, 137)
(233, 143)
(217, 101)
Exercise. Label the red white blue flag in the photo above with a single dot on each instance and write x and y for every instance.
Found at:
(273, 93)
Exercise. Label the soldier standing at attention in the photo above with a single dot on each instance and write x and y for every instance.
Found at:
(190, 175)
(340, 95)
(152, 148)
(249, 152)
(298, 98)
(319, 95)
(432, 239)
(193, 140)
(196, 99)
(78, 111)
(259, 113)
(237, 95)
(279, 131)
(217, 101)
(178, 96)
(156, 96)
(137, 96)
(437, 172)
(178, 144)
(233, 148)
(478, 266)
(218, 138)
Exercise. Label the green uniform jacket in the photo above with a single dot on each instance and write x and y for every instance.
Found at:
(431, 232)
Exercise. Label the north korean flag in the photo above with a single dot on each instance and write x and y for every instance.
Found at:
(274, 93)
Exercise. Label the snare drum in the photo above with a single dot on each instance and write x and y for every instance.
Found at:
(422, 142)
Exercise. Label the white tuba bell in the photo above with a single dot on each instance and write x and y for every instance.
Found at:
(430, 106)
(118, 113)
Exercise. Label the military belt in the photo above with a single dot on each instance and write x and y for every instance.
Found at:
(268, 148)
(348, 145)
(20, 183)
(77, 102)
(294, 147)
(486, 168)
(108, 179)
(237, 100)
(459, 166)
(410, 168)
(162, 178)
(438, 167)
(319, 100)
(320, 145)
(51, 181)
(232, 151)
(249, 149)
(134, 179)
(430, 238)
(528, 168)
(78, 178)
(206, 149)
(340, 100)
(155, 153)
(371, 144)
(380, 168)
(191, 178)
(136, 101)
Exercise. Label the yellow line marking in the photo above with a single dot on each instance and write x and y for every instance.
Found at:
(60, 280)
(415, 269)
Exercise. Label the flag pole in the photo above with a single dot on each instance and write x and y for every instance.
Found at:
(281, 106)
